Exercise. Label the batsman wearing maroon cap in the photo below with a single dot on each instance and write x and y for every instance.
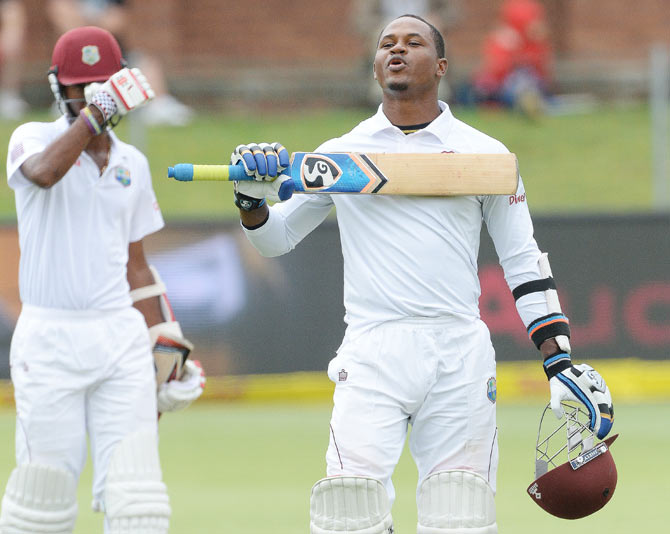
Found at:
(96, 350)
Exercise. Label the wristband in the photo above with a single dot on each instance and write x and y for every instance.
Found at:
(548, 326)
(556, 363)
(247, 203)
(90, 121)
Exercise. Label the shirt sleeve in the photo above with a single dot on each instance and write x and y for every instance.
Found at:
(510, 226)
(289, 223)
(26, 141)
(147, 217)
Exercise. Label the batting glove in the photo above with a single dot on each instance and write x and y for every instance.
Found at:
(580, 383)
(178, 394)
(122, 92)
(264, 163)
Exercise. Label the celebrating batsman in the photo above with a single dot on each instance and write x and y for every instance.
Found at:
(415, 350)
(81, 354)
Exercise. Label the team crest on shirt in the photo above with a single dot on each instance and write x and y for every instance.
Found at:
(123, 176)
(319, 172)
(491, 389)
(342, 375)
(90, 54)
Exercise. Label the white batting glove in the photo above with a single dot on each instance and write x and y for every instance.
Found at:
(580, 383)
(265, 163)
(124, 91)
(279, 190)
(178, 394)
(262, 161)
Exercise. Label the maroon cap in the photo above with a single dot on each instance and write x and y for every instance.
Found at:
(86, 54)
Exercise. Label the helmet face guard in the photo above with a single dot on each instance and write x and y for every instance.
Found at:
(574, 477)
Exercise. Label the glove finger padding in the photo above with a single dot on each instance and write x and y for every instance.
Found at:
(178, 394)
(581, 383)
(124, 91)
(262, 161)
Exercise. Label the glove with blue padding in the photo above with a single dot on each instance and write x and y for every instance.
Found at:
(265, 163)
(580, 383)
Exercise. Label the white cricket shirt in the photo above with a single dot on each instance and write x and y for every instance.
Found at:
(74, 237)
(413, 256)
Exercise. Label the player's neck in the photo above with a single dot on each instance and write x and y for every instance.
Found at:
(414, 111)
(99, 149)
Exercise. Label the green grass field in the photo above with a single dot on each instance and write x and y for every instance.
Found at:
(248, 468)
(596, 162)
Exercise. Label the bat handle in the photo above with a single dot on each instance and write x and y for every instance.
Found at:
(187, 172)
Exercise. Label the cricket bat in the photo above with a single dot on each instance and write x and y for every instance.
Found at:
(444, 174)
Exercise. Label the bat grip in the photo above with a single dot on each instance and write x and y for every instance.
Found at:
(187, 172)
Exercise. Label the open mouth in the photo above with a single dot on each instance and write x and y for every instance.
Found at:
(396, 63)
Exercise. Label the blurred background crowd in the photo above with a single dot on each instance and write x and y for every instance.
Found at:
(532, 55)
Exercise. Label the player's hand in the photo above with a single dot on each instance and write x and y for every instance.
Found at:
(580, 383)
(124, 91)
(251, 195)
(262, 161)
(178, 394)
(265, 163)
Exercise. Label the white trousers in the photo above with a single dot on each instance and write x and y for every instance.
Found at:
(437, 375)
(79, 372)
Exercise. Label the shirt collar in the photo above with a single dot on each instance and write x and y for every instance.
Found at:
(440, 127)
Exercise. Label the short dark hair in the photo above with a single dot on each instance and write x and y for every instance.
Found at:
(438, 40)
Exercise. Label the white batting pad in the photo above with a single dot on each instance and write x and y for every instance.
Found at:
(39, 499)
(352, 505)
(136, 498)
(456, 502)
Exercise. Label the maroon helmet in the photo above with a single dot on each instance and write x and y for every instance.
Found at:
(84, 55)
(81, 56)
(585, 482)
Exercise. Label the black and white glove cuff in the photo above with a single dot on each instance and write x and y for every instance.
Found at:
(556, 363)
(247, 203)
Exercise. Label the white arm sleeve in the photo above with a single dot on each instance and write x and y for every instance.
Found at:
(509, 225)
(289, 223)
(27, 139)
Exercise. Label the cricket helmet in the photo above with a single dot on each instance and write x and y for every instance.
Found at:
(84, 55)
(585, 482)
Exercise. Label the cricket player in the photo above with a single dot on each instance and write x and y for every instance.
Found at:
(415, 350)
(81, 354)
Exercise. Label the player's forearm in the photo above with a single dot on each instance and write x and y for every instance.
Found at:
(139, 275)
(49, 166)
(254, 218)
(549, 347)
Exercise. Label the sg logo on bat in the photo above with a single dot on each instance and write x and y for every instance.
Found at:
(319, 172)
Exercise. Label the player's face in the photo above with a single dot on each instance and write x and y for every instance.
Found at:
(74, 96)
(406, 58)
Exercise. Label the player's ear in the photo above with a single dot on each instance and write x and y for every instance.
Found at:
(374, 71)
(442, 65)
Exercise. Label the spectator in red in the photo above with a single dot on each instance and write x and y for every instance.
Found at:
(516, 67)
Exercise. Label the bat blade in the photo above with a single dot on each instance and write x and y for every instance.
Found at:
(445, 174)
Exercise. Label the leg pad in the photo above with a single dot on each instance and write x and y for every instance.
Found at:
(456, 502)
(351, 505)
